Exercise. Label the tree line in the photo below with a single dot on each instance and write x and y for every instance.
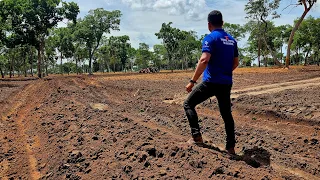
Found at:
(32, 43)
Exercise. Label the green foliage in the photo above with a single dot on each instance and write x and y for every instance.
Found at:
(306, 40)
(143, 55)
(235, 30)
(170, 37)
(28, 29)
(121, 47)
(93, 26)
(29, 21)
(188, 46)
(159, 55)
(307, 4)
(180, 45)
(261, 11)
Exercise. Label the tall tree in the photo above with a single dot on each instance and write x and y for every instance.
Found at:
(132, 53)
(93, 26)
(307, 4)
(124, 46)
(188, 43)
(50, 53)
(262, 10)
(63, 41)
(80, 53)
(170, 37)
(159, 55)
(143, 55)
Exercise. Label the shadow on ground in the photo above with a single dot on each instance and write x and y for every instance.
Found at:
(255, 157)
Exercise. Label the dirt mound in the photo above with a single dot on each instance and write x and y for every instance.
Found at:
(296, 104)
(149, 70)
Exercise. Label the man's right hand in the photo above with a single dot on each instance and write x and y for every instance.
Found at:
(189, 87)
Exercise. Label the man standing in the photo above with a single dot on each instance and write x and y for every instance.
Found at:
(219, 59)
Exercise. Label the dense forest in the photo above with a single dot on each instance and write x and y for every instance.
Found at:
(31, 43)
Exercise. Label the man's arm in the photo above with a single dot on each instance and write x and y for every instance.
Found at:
(202, 64)
(235, 63)
(236, 57)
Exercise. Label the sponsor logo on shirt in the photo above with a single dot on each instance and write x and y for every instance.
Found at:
(206, 44)
(227, 41)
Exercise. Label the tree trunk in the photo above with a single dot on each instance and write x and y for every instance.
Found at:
(187, 65)
(31, 68)
(182, 64)
(265, 60)
(108, 66)
(11, 69)
(39, 61)
(292, 35)
(259, 51)
(44, 63)
(90, 63)
(297, 57)
(13, 65)
(47, 69)
(77, 65)
(306, 58)
(31, 64)
(281, 54)
(259, 45)
(25, 65)
(2, 74)
(274, 56)
(61, 68)
(170, 62)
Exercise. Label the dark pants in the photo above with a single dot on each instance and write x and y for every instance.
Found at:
(201, 93)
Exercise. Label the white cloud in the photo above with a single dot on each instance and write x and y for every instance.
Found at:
(191, 9)
(143, 18)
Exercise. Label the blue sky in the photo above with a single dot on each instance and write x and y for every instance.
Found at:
(143, 18)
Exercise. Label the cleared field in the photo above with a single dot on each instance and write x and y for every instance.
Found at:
(132, 126)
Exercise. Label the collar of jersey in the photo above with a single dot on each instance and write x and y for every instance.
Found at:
(219, 29)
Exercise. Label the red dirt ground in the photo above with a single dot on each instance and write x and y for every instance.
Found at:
(132, 126)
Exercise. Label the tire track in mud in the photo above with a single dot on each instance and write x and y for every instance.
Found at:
(258, 90)
(4, 164)
(22, 141)
(16, 103)
(273, 88)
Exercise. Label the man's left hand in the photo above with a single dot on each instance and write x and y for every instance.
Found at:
(189, 87)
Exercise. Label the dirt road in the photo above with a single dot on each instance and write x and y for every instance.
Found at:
(134, 127)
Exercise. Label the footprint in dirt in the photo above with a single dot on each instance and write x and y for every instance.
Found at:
(255, 157)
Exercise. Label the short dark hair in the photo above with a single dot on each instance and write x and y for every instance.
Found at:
(215, 18)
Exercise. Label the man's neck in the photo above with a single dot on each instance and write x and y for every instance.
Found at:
(215, 28)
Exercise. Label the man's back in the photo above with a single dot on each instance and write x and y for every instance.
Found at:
(223, 49)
